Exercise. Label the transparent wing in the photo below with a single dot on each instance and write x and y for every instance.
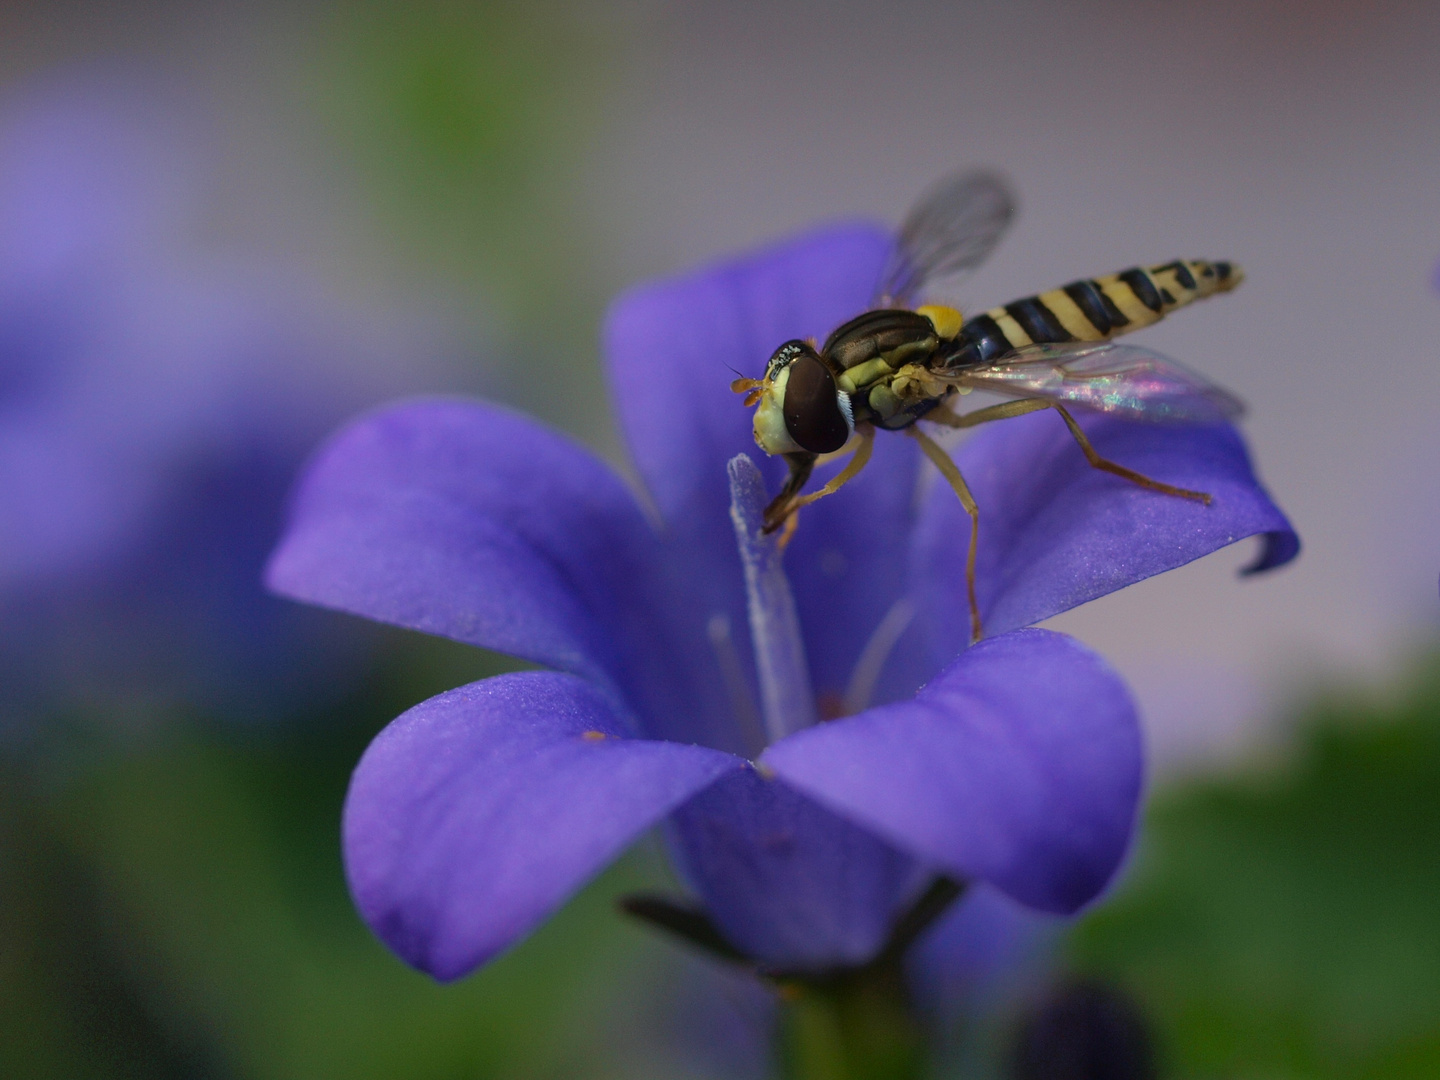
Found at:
(1107, 377)
(949, 232)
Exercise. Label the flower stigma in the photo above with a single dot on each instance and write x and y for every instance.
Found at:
(787, 700)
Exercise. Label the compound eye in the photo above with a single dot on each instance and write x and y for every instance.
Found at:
(812, 407)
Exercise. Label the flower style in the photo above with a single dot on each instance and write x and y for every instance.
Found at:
(1015, 762)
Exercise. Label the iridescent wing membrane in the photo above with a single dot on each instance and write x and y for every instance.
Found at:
(1106, 377)
(951, 230)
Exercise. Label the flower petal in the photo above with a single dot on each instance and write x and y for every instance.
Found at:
(674, 345)
(1055, 532)
(475, 814)
(1019, 765)
(462, 519)
(787, 881)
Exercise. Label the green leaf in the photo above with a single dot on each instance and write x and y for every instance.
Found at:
(1286, 923)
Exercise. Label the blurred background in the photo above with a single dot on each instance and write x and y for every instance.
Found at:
(224, 230)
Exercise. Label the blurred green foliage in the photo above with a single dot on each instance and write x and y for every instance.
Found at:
(178, 909)
(1286, 923)
(470, 121)
(467, 127)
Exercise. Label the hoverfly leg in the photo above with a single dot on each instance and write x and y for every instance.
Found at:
(948, 469)
(787, 531)
(858, 460)
(1106, 465)
(793, 502)
(1003, 411)
(801, 466)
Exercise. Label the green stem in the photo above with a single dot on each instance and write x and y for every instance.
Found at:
(857, 1026)
(849, 1024)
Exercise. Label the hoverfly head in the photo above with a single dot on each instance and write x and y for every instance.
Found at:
(801, 407)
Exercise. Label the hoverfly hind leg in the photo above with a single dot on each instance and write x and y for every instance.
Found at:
(1106, 465)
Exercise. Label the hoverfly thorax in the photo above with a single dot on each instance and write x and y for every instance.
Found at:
(801, 408)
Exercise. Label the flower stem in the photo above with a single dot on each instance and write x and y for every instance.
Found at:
(857, 1026)
(860, 1023)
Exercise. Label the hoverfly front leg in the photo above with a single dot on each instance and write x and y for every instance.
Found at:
(801, 466)
(785, 506)
(859, 458)
(941, 460)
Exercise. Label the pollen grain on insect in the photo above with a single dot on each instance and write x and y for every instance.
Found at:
(594, 736)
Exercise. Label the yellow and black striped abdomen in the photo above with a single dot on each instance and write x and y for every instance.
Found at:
(1091, 309)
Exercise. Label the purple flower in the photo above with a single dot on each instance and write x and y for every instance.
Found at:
(677, 658)
(154, 406)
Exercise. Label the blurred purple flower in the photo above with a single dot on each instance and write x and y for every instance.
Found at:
(476, 813)
(153, 407)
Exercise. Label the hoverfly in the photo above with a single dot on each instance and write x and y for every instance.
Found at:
(903, 361)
